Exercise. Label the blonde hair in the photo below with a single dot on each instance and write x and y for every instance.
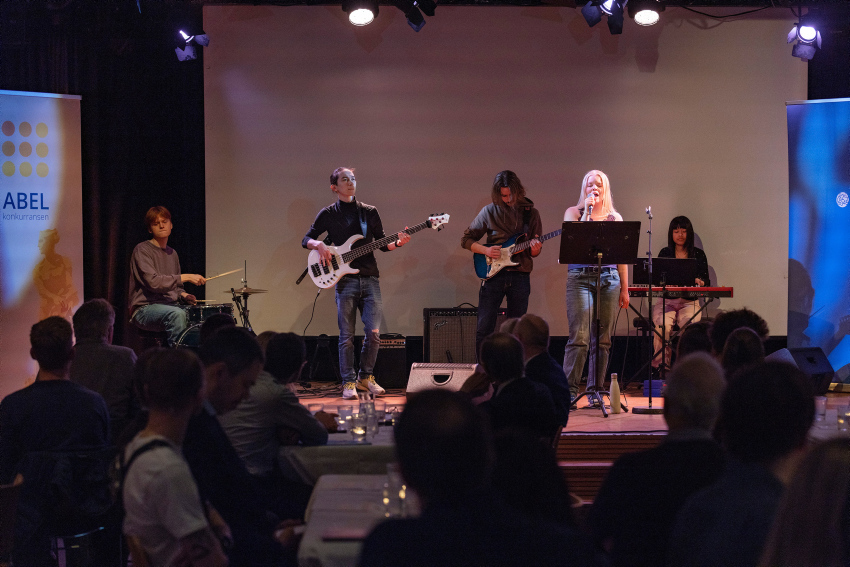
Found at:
(607, 198)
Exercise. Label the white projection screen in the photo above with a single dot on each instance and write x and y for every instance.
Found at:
(687, 117)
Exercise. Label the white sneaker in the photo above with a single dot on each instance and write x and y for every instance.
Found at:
(348, 391)
(368, 383)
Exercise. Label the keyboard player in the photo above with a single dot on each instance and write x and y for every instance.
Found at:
(678, 312)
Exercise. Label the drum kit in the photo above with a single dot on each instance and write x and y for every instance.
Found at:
(207, 307)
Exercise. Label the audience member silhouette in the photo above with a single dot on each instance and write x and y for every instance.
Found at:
(232, 359)
(45, 426)
(766, 413)
(812, 524)
(161, 502)
(533, 332)
(103, 367)
(517, 402)
(726, 322)
(636, 506)
(445, 454)
(695, 337)
(743, 348)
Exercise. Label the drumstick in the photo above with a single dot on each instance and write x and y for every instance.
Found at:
(224, 274)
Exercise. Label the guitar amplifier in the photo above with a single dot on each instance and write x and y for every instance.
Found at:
(449, 334)
(391, 364)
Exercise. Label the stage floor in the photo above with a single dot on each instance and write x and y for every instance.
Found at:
(582, 421)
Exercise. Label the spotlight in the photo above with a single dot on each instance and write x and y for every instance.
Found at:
(592, 14)
(185, 45)
(808, 40)
(613, 9)
(427, 6)
(360, 12)
(412, 13)
(646, 12)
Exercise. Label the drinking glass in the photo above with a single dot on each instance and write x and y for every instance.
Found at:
(395, 493)
(315, 408)
(357, 427)
(820, 408)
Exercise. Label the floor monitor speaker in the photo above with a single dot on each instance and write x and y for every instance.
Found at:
(428, 376)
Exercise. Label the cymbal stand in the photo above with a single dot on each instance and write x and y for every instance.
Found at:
(242, 302)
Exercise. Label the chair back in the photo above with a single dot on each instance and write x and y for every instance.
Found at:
(8, 509)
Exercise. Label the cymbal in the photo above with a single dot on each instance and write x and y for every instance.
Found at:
(247, 291)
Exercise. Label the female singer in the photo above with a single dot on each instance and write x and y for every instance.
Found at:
(595, 204)
(680, 244)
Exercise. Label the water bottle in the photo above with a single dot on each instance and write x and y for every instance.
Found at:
(615, 394)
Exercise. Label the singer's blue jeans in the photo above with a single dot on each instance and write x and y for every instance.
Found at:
(358, 293)
(580, 291)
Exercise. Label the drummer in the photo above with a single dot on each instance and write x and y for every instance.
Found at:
(156, 283)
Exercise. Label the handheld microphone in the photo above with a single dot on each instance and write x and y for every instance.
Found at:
(589, 211)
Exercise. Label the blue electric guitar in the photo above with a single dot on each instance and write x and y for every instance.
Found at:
(487, 267)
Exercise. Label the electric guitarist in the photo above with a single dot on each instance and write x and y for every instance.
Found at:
(511, 213)
(360, 291)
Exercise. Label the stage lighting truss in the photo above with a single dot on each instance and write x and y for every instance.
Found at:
(612, 9)
(808, 40)
(360, 12)
(186, 45)
(646, 12)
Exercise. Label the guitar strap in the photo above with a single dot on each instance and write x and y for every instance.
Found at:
(526, 219)
(363, 227)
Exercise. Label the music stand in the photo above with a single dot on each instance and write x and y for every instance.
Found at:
(591, 242)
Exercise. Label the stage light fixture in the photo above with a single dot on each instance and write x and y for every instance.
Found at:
(646, 12)
(613, 9)
(185, 48)
(592, 13)
(412, 13)
(360, 12)
(427, 6)
(808, 39)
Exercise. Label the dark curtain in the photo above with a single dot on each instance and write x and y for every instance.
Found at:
(142, 115)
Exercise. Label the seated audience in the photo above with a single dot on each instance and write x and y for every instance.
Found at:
(766, 413)
(43, 426)
(533, 332)
(161, 503)
(517, 402)
(695, 337)
(101, 366)
(478, 386)
(812, 524)
(527, 477)
(728, 321)
(743, 348)
(213, 323)
(445, 454)
(509, 325)
(271, 416)
(636, 506)
(232, 360)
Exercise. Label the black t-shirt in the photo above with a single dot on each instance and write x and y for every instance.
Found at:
(342, 221)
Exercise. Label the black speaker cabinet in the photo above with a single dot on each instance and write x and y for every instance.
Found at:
(449, 334)
(427, 376)
(391, 364)
(814, 363)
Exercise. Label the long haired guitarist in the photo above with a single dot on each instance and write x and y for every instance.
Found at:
(511, 214)
(361, 291)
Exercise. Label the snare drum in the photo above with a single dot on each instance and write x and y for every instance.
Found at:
(200, 313)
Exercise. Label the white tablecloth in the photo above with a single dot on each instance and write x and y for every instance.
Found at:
(342, 511)
(340, 456)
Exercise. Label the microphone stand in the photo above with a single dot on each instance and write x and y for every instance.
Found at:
(650, 409)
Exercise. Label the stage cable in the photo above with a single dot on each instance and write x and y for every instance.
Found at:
(313, 312)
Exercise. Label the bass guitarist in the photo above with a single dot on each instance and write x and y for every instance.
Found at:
(510, 214)
(360, 291)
